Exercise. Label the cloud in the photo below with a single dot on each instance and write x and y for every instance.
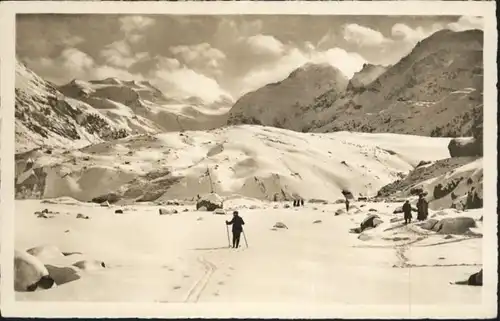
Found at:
(229, 30)
(363, 36)
(265, 45)
(467, 23)
(76, 60)
(347, 62)
(200, 53)
(185, 82)
(202, 58)
(327, 40)
(71, 61)
(119, 54)
(133, 24)
(403, 32)
(104, 71)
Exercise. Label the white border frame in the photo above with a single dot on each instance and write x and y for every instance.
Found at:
(168, 310)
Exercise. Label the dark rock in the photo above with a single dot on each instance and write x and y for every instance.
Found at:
(119, 212)
(79, 215)
(340, 211)
(372, 210)
(416, 190)
(422, 163)
(460, 147)
(280, 225)
(164, 211)
(210, 202)
(111, 198)
(473, 200)
(371, 220)
(347, 194)
(475, 279)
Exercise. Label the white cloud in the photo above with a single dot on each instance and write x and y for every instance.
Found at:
(76, 61)
(467, 23)
(327, 40)
(363, 36)
(119, 54)
(102, 72)
(71, 61)
(165, 63)
(265, 45)
(403, 32)
(347, 62)
(200, 57)
(131, 24)
(184, 82)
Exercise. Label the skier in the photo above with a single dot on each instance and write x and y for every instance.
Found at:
(422, 208)
(407, 212)
(237, 223)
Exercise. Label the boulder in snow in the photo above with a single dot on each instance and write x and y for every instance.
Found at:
(280, 225)
(465, 146)
(29, 273)
(220, 211)
(90, 265)
(454, 225)
(210, 202)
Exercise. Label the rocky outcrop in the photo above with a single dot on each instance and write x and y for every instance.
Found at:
(210, 202)
(436, 90)
(465, 147)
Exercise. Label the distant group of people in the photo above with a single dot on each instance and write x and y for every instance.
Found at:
(297, 203)
(422, 209)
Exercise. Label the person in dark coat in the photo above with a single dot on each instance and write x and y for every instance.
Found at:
(422, 208)
(347, 205)
(302, 202)
(407, 212)
(237, 223)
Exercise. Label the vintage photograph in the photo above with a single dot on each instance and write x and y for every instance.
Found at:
(330, 159)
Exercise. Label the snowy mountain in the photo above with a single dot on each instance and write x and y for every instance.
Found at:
(436, 90)
(281, 104)
(85, 112)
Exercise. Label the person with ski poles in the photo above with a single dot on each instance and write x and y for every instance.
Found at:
(237, 223)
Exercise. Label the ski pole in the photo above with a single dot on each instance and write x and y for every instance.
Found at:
(245, 237)
(228, 239)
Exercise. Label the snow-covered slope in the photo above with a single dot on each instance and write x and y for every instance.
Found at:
(255, 161)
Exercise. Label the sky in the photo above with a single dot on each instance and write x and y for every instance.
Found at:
(214, 56)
